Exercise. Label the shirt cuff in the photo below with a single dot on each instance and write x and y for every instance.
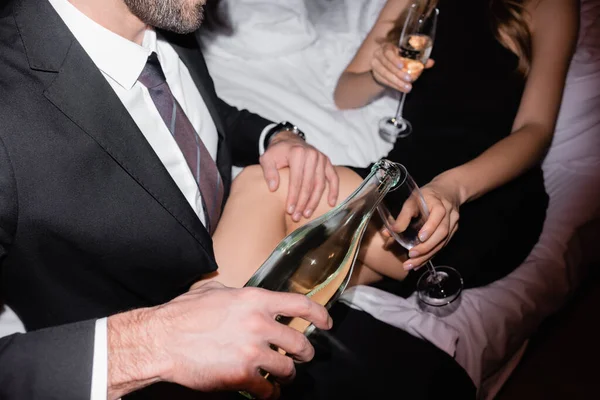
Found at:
(261, 140)
(100, 364)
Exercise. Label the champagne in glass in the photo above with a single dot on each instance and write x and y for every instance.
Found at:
(415, 49)
(416, 43)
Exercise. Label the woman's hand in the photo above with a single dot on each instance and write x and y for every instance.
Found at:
(391, 70)
(443, 200)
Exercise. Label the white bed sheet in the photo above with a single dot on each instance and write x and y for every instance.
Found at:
(486, 332)
(252, 70)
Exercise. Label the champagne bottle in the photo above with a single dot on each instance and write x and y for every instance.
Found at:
(317, 259)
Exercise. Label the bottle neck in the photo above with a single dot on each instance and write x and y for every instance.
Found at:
(384, 177)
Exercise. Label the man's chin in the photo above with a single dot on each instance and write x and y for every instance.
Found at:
(180, 30)
(183, 18)
(189, 26)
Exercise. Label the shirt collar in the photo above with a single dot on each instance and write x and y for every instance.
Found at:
(120, 59)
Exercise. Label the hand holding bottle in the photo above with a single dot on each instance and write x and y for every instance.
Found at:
(211, 338)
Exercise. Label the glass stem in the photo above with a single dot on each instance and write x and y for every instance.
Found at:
(431, 268)
(400, 106)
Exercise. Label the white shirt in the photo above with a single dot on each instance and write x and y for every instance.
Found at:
(121, 63)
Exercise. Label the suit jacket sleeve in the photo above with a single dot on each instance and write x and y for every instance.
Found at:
(49, 363)
(243, 130)
(8, 205)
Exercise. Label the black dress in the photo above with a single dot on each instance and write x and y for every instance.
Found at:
(458, 109)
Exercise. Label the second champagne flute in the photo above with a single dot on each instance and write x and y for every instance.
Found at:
(416, 42)
(439, 285)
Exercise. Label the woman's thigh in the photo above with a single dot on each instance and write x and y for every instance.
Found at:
(254, 221)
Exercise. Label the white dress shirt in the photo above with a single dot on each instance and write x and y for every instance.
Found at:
(121, 63)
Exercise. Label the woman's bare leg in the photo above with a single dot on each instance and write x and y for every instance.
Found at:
(254, 222)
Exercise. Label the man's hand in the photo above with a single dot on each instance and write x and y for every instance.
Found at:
(211, 338)
(310, 172)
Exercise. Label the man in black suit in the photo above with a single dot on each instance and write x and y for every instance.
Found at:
(103, 213)
(100, 211)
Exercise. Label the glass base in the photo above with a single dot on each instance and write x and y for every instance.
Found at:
(441, 288)
(390, 129)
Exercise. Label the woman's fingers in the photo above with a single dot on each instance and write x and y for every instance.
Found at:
(440, 237)
(436, 216)
(416, 262)
(419, 261)
(389, 69)
(384, 76)
(410, 210)
(397, 65)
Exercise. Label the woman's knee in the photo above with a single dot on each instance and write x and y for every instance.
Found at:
(251, 178)
(251, 182)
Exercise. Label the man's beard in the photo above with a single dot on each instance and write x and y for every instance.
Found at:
(179, 16)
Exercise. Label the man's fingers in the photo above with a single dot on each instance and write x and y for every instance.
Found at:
(318, 187)
(308, 180)
(296, 168)
(333, 180)
(262, 388)
(270, 173)
(297, 305)
(294, 343)
(279, 365)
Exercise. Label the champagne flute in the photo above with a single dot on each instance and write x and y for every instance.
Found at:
(440, 285)
(416, 42)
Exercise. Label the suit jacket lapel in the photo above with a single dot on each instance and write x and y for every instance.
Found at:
(81, 92)
(94, 107)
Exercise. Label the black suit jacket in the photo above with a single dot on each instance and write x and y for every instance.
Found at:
(91, 223)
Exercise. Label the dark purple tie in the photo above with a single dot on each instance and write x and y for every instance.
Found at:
(198, 158)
